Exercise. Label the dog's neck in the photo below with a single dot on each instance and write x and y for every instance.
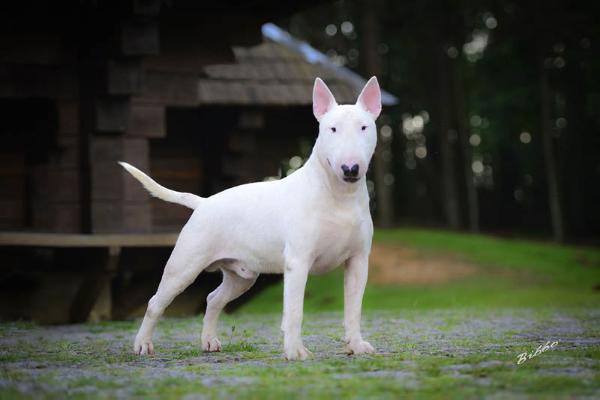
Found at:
(320, 172)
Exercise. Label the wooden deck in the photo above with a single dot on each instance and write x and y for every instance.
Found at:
(87, 240)
(94, 298)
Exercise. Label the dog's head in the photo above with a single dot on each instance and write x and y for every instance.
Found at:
(347, 133)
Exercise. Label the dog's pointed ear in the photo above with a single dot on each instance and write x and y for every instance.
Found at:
(323, 100)
(370, 98)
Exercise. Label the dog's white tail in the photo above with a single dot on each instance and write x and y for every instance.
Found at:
(185, 199)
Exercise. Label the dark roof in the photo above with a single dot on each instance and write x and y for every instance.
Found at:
(280, 71)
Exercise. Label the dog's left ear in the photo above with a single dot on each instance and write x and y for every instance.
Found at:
(370, 98)
(323, 100)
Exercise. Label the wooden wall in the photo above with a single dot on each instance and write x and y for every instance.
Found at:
(39, 167)
(13, 195)
(106, 74)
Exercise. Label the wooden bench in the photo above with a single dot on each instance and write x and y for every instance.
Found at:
(117, 240)
(93, 300)
(99, 261)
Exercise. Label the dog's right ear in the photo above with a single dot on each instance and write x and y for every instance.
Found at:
(323, 100)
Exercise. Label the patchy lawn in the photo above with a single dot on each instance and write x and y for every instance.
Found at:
(459, 312)
(475, 271)
(435, 353)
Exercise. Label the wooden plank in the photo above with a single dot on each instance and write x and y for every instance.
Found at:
(177, 55)
(167, 217)
(67, 155)
(174, 169)
(47, 179)
(252, 120)
(12, 187)
(181, 173)
(87, 240)
(146, 7)
(20, 81)
(109, 180)
(139, 38)
(146, 120)
(12, 214)
(121, 217)
(242, 142)
(119, 204)
(12, 191)
(27, 47)
(124, 77)
(173, 89)
(59, 217)
(68, 118)
(112, 114)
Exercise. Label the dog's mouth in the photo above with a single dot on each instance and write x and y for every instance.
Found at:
(351, 179)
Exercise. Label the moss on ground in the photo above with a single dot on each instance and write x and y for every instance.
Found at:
(457, 340)
(435, 354)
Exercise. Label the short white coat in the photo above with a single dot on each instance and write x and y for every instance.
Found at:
(309, 222)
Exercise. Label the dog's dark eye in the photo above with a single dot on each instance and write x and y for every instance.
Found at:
(363, 128)
(333, 129)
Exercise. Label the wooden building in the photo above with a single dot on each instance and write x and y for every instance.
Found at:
(196, 95)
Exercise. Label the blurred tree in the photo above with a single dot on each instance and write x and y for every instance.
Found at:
(500, 107)
(371, 65)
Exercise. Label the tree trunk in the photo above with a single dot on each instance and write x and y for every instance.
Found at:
(372, 66)
(463, 135)
(549, 157)
(447, 139)
(573, 153)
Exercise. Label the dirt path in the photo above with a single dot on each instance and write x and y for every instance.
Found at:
(394, 265)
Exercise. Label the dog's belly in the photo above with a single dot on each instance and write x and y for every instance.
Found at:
(326, 264)
(273, 262)
(266, 266)
(260, 258)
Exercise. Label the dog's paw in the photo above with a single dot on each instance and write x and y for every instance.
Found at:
(211, 345)
(296, 352)
(359, 347)
(143, 347)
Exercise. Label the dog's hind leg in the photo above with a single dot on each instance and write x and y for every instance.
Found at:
(185, 264)
(232, 287)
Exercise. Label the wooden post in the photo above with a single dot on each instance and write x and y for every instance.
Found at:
(102, 308)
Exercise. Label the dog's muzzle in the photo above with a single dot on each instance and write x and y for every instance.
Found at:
(350, 173)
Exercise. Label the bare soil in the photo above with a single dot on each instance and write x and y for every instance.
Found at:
(394, 265)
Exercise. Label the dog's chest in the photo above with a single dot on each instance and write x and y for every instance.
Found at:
(339, 236)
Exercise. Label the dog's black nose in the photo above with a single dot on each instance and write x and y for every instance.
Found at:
(350, 172)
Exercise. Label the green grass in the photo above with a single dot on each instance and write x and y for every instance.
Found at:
(542, 257)
(452, 340)
(514, 273)
(457, 362)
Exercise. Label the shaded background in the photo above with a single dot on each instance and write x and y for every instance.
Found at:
(497, 127)
(491, 125)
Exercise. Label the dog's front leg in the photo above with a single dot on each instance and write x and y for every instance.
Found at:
(294, 283)
(355, 280)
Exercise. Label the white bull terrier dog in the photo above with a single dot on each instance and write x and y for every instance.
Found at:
(309, 222)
